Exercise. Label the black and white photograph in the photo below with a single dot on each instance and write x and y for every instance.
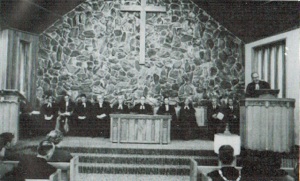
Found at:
(149, 90)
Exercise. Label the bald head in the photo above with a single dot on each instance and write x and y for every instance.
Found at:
(255, 77)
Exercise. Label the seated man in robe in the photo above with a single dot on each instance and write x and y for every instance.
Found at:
(82, 117)
(34, 167)
(101, 111)
(120, 107)
(233, 116)
(256, 84)
(227, 171)
(216, 122)
(142, 107)
(187, 119)
(167, 109)
(65, 110)
(49, 112)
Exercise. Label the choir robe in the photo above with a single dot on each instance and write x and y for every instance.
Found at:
(147, 109)
(63, 108)
(115, 109)
(175, 124)
(82, 127)
(233, 123)
(48, 125)
(101, 126)
(187, 119)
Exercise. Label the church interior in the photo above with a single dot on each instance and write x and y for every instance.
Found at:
(150, 89)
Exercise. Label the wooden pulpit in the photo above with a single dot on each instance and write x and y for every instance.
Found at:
(267, 123)
(140, 128)
(9, 112)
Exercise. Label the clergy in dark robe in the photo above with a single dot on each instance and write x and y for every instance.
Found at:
(233, 116)
(256, 84)
(49, 112)
(216, 124)
(167, 109)
(82, 117)
(34, 167)
(227, 171)
(120, 107)
(101, 111)
(187, 119)
(65, 110)
(142, 107)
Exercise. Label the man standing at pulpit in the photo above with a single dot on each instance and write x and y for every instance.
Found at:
(142, 107)
(256, 84)
(82, 115)
(101, 111)
(120, 107)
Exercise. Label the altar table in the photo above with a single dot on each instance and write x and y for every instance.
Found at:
(140, 128)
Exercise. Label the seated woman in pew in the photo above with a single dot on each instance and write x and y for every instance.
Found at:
(227, 171)
(34, 167)
(187, 119)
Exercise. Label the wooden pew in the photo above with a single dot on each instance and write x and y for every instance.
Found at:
(199, 173)
(53, 177)
(74, 168)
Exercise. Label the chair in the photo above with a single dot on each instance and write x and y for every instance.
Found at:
(56, 176)
(74, 168)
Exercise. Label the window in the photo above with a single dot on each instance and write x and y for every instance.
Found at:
(270, 63)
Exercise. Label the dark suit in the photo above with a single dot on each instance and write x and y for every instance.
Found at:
(234, 123)
(48, 125)
(146, 110)
(175, 125)
(115, 109)
(83, 126)
(62, 107)
(187, 119)
(31, 167)
(215, 125)
(230, 173)
(101, 125)
(250, 91)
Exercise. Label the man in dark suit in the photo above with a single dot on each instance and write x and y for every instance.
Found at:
(216, 124)
(233, 116)
(65, 110)
(166, 109)
(120, 107)
(34, 167)
(256, 84)
(82, 115)
(49, 112)
(101, 111)
(142, 107)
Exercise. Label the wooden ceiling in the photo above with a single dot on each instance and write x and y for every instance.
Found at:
(248, 20)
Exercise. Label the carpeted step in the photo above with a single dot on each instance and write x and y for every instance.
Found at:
(134, 169)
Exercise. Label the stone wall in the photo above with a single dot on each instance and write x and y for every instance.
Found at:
(95, 49)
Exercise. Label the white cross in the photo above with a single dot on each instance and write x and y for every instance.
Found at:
(143, 8)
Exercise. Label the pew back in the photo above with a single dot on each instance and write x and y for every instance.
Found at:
(74, 168)
(56, 176)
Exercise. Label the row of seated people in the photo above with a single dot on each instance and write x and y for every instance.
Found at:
(32, 166)
(86, 119)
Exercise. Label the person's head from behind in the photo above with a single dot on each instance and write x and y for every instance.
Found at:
(255, 77)
(5, 139)
(226, 154)
(46, 149)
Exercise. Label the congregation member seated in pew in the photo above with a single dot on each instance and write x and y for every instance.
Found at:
(232, 112)
(82, 117)
(65, 110)
(120, 107)
(187, 119)
(142, 107)
(216, 118)
(59, 155)
(49, 113)
(167, 109)
(101, 111)
(5, 142)
(34, 167)
(227, 171)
